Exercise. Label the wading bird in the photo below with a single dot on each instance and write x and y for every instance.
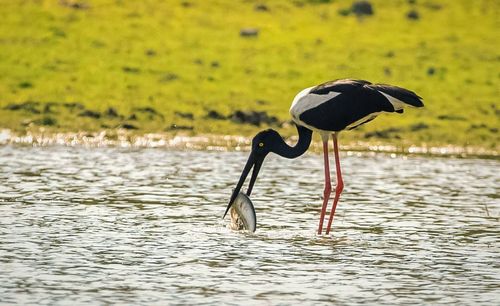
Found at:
(328, 108)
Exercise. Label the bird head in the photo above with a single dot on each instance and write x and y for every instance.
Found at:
(262, 144)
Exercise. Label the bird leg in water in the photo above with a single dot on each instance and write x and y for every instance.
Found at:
(328, 187)
(340, 182)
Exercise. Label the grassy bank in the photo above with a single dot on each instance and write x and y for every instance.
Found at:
(170, 66)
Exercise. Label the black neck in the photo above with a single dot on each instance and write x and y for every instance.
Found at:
(284, 150)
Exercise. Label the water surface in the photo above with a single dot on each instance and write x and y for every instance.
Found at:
(109, 225)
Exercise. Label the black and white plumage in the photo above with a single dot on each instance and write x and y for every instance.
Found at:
(327, 108)
(346, 104)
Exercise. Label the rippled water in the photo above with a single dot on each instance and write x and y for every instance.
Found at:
(104, 226)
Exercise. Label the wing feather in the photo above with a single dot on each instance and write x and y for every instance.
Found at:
(346, 103)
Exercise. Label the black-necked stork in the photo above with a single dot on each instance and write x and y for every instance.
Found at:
(328, 108)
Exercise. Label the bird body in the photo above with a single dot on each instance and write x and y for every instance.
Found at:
(346, 104)
(327, 108)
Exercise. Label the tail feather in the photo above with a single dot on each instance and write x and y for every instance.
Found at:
(403, 95)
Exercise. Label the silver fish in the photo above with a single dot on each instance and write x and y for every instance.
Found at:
(243, 214)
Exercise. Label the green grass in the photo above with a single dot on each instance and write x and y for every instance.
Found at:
(189, 57)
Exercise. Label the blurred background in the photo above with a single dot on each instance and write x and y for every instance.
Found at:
(233, 67)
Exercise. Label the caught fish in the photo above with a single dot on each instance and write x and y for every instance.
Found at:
(243, 214)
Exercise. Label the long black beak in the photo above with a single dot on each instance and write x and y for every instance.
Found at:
(255, 162)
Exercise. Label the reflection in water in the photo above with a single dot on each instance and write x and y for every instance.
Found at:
(124, 226)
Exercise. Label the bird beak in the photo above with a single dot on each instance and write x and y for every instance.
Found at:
(255, 162)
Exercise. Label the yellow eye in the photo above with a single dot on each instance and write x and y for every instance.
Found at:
(261, 144)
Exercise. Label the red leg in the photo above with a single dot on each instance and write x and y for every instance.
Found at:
(328, 187)
(340, 183)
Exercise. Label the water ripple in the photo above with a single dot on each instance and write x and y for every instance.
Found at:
(110, 225)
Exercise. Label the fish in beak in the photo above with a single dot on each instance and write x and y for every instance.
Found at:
(261, 146)
(254, 161)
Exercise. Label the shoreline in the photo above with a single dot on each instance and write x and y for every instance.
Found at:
(126, 139)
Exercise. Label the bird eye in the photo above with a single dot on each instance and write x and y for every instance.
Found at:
(261, 144)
